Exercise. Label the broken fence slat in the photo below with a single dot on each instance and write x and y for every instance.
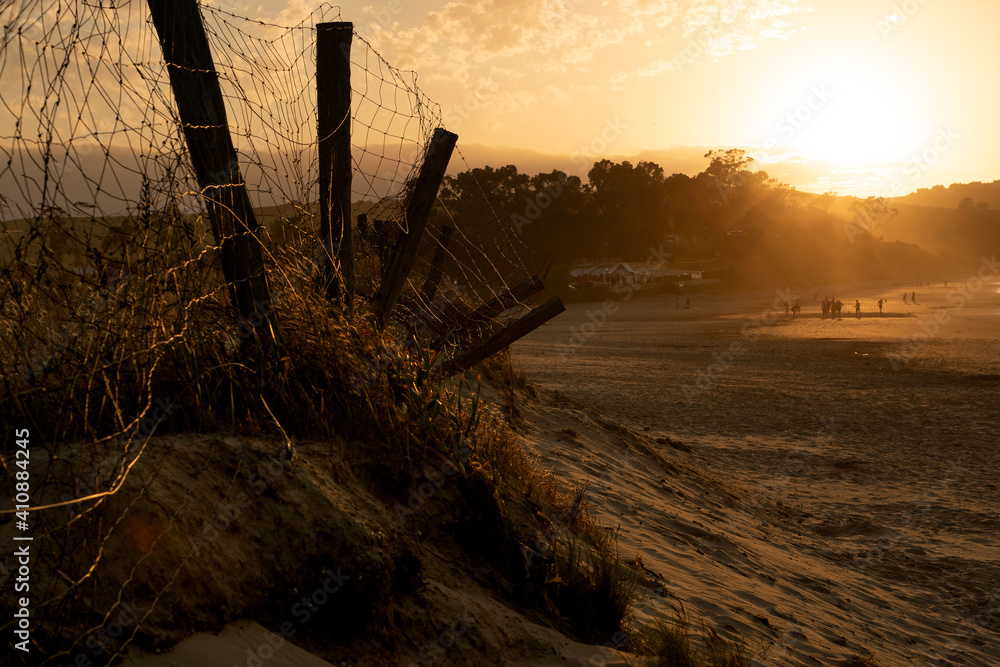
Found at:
(506, 336)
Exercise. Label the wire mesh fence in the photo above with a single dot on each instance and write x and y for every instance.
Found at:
(116, 318)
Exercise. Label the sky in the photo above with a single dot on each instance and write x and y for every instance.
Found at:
(862, 97)
(853, 96)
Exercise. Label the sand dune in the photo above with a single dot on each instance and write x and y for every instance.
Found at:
(827, 491)
(841, 494)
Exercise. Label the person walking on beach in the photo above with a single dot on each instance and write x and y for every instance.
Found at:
(796, 309)
(880, 307)
(837, 307)
(687, 303)
(857, 308)
(913, 297)
(826, 307)
(904, 298)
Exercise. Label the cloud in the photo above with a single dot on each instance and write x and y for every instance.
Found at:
(555, 35)
(526, 46)
(295, 12)
(558, 95)
(652, 69)
(541, 35)
(664, 11)
(722, 28)
(714, 30)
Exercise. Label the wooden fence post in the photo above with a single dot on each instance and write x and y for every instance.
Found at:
(417, 210)
(503, 338)
(501, 302)
(206, 129)
(333, 101)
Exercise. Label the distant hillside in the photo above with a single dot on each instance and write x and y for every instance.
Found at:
(962, 233)
(968, 233)
(952, 195)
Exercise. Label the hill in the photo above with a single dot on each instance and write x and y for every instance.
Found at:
(952, 195)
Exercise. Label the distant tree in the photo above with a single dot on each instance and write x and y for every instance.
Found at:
(557, 219)
(727, 189)
(485, 191)
(632, 204)
(825, 200)
(983, 205)
(726, 166)
(873, 213)
(967, 204)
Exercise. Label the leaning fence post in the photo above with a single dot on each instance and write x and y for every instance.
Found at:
(333, 101)
(523, 291)
(417, 211)
(202, 113)
(503, 338)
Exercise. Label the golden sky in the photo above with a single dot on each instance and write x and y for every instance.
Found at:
(856, 96)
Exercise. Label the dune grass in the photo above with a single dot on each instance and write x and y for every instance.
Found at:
(103, 362)
(669, 643)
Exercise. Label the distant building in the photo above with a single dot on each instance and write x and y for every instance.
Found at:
(635, 274)
(607, 273)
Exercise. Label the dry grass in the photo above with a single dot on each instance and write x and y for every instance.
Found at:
(91, 360)
(670, 644)
(509, 381)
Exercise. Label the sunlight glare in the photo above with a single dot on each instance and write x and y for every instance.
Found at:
(860, 113)
(870, 118)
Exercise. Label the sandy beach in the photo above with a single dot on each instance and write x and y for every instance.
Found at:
(840, 496)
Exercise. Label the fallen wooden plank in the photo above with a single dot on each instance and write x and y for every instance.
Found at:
(505, 337)
(507, 299)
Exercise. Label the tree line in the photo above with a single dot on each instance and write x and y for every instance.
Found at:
(621, 209)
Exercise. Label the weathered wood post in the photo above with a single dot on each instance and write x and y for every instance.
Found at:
(202, 115)
(333, 101)
(363, 230)
(384, 235)
(522, 291)
(417, 210)
(503, 338)
(437, 264)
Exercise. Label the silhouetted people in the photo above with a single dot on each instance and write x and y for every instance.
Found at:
(826, 307)
(796, 309)
(904, 298)
(913, 297)
(838, 306)
(857, 308)
(880, 306)
(687, 303)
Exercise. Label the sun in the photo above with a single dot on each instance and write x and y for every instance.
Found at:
(866, 122)
(853, 112)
